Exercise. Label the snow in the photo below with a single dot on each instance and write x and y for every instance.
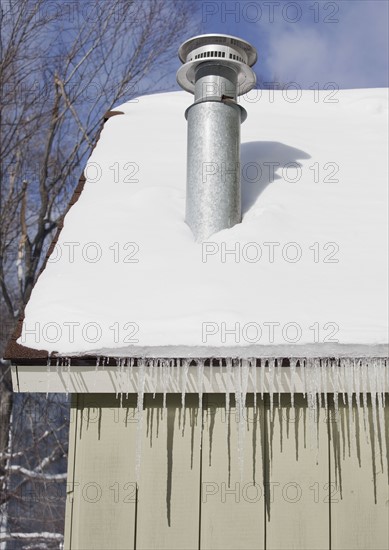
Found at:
(99, 294)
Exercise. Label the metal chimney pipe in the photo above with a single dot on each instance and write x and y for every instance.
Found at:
(216, 69)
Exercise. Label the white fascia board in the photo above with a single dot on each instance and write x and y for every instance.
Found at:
(215, 379)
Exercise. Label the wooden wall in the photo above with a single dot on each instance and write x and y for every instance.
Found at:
(192, 493)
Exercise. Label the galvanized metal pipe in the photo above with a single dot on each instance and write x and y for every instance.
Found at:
(213, 199)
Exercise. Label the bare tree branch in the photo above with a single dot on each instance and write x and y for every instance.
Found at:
(32, 474)
(44, 536)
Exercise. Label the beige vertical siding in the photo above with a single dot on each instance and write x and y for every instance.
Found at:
(297, 514)
(359, 478)
(101, 510)
(192, 493)
(169, 485)
(232, 514)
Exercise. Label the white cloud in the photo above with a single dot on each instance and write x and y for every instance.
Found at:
(352, 52)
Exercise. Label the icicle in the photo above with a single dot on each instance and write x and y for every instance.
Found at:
(95, 374)
(385, 366)
(150, 376)
(316, 398)
(211, 372)
(67, 363)
(117, 379)
(320, 383)
(238, 407)
(302, 368)
(325, 387)
(263, 363)
(141, 384)
(178, 373)
(364, 395)
(184, 379)
(311, 398)
(254, 379)
(241, 371)
(123, 380)
(245, 380)
(171, 378)
(165, 380)
(270, 363)
(158, 375)
(127, 362)
(277, 370)
(334, 365)
(342, 371)
(117, 373)
(292, 363)
(381, 400)
(357, 381)
(372, 370)
(349, 392)
(121, 373)
(200, 379)
(228, 378)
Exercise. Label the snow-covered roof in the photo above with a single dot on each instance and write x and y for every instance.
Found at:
(305, 271)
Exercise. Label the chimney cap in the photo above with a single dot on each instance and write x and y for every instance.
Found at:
(218, 39)
(221, 49)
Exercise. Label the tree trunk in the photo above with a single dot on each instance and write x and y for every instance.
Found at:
(5, 425)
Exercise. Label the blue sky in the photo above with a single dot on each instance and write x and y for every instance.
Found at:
(309, 41)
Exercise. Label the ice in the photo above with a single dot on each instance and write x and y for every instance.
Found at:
(316, 398)
(227, 407)
(165, 370)
(241, 374)
(200, 380)
(381, 403)
(131, 368)
(66, 362)
(335, 381)
(355, 378)
(178, 373)
(270, 363)
(263, 363)
(277, 369)
(325, 386)
(253, 365)
(349, 375)
(129, 363)
(364, 369)
(139, 406)
(292, 363)
(184, 379)
(120, 381)
(373, 393)
(302, 369)
(311, 398)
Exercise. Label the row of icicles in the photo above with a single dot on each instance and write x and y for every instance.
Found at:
(343, 377)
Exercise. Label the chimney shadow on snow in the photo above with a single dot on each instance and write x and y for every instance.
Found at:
(263, 162)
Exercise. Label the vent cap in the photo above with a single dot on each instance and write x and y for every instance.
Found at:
(218, 49)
